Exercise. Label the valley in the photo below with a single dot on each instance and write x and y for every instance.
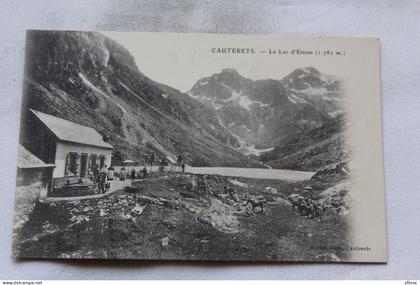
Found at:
(233, 169)
(224, 120)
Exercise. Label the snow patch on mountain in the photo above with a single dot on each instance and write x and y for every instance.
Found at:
(249, 148)
(296, 100)
(206, 100)
(335, 113)
(312, 91)
(240, 99)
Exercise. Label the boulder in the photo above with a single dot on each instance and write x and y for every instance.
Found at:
(260, 197)
(102, 212)
(270, 190)
(294, 197)
(137, 210)
(165, 241)
(87, 209)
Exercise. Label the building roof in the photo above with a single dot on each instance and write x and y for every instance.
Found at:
(71, 132)
(171, 159)
(26, 159)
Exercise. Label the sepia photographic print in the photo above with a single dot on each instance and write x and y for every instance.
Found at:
(200, 147)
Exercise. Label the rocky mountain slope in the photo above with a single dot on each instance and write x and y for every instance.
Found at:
(311, 150)
(263, 113)
(92, 80)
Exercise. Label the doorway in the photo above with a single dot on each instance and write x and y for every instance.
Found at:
(101, 161)
(83, 164)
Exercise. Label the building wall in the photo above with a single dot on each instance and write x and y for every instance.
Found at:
(64, 148)
(27, 176)
(37, 138)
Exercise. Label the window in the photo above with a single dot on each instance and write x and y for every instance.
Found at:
(72, 163)
(101, 161)
(93, 158)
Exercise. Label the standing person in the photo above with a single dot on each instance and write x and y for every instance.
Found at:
(122, 174)
(98, 175)
(183, 167)
(105, 169)
(95, 175)
(180, 160)
(101, 182)
(144, 171)
(162, 166)
(152, 159)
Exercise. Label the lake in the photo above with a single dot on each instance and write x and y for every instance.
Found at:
(259, 173)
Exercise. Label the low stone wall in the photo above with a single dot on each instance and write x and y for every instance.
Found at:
(139, 169)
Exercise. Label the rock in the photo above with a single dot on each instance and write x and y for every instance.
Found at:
(102, 212)
(260, 197)
(258, 209)
(78, 219)
(137, 210)
(222, 196)
(165, 241)
(238, 183)
(270, 190)
(126, 216)
(235, 197)
(86, 209)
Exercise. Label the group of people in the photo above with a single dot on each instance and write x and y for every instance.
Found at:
(100, 177)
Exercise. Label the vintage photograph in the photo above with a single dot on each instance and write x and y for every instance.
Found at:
(145, 148)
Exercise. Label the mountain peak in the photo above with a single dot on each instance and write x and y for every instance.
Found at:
(230, 71)
(308, 78)
(310, 69)
(304, 72)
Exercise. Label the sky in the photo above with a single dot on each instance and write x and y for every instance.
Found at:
(180, 60)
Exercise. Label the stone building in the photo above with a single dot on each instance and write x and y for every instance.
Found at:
(75, 150)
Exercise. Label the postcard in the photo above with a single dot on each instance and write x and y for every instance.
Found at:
(210, 147)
